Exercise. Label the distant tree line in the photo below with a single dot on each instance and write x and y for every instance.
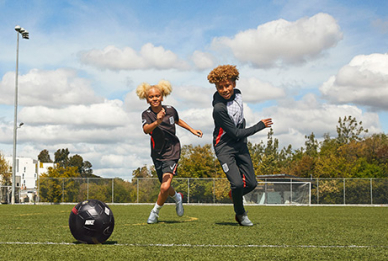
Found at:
(51, 189)
(351, 154)
(64, 162)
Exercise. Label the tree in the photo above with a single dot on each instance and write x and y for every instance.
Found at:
(63, 160)
(78, 162)
(199, 162)
(62, 157)
(142, 172)
(52, 185)
(44, 156)
(312, 145)
(270, 160)
(349, 130)
(5, 173)
(88, 168)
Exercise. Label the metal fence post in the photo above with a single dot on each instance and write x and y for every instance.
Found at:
(214, 191)
(188, 190)
(113, 189)
(137, 188)
(317, 191)
(63, 190)
(87, 188)
(291, 191)
(344, 192)
(371, 192)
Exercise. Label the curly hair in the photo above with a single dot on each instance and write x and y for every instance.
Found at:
(223, 73)
(163, 86)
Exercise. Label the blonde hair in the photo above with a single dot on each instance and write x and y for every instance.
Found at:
(223, 73)
(163, 86)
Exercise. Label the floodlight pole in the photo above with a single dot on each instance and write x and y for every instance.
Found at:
(25, 35)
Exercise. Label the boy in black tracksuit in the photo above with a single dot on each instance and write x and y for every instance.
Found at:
(230, 137)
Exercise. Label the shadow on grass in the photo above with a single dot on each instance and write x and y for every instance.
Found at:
(105, 243)
(227, 224)
(170, 222)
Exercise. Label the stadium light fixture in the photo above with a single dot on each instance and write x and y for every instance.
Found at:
(26, 35)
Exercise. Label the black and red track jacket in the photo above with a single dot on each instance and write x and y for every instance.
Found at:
(227, 132)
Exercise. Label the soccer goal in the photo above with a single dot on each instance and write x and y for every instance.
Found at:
(281, 193)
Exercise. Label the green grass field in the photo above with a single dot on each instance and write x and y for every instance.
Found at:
(41, 232)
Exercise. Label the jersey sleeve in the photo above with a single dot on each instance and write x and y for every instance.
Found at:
(145, 119)
(223, 120)
(176, 116)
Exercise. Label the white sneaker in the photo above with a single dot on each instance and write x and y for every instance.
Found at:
(153, 218)
(243, 220)
(179, 205)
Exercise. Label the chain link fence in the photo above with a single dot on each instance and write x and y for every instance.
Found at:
(205, 191)
(214, 191)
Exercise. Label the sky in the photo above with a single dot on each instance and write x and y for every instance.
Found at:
(305, 64)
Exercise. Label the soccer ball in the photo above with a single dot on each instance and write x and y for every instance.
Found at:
(91, 221)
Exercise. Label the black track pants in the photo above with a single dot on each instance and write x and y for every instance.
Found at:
(238, 167)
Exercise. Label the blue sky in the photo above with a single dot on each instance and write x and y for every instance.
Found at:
(303, 63)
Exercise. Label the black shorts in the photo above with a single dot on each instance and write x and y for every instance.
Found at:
(163, 167)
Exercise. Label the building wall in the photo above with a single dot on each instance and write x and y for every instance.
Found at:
(27, 171)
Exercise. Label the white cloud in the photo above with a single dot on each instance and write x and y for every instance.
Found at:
(255, 91)
(149, 57)
(364, 81)
(47, 88)
(193, 96)
(282, 41)
(295, 119)
(203, 60)
(106, 114)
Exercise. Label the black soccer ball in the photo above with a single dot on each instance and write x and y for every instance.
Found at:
(91, 221)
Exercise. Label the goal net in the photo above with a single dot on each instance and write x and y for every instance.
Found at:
(283, 193)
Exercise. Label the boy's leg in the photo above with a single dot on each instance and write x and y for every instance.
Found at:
(233, 174)
(165, 189)
(154, 215)
(245, 165)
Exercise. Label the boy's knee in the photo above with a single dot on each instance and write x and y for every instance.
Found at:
(237, 186)
(164, 188)
(252, 184)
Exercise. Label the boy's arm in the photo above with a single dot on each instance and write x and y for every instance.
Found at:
(186, 126)
(148, 128)
(223, 120)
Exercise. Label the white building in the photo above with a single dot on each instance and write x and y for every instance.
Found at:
(27, 171)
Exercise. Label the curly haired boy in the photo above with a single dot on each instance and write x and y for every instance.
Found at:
(230, 137)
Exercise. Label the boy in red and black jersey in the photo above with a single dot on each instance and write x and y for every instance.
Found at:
(165, 144)
(159, 122)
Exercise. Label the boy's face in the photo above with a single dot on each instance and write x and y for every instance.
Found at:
(226, 88)
(154, 97)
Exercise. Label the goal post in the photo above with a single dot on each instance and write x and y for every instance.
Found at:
(280, 193)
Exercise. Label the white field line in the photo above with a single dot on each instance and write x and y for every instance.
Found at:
(191, 245)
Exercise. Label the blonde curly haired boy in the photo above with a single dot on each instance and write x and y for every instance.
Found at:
(159, 122)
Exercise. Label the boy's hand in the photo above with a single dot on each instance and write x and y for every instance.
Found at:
(198, 133)
(267, 122)
(160, 116)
